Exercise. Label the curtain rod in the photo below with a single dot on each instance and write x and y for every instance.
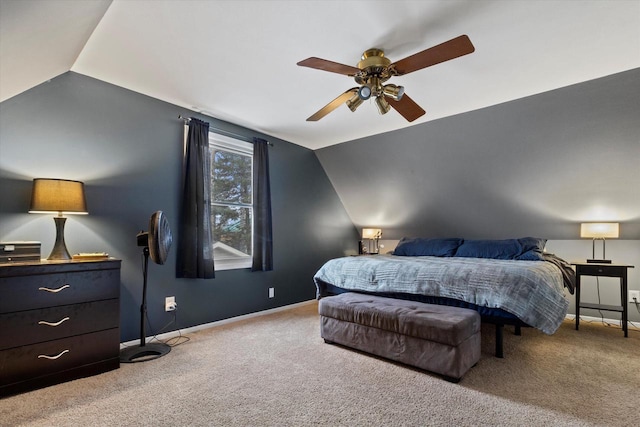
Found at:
(225, 133)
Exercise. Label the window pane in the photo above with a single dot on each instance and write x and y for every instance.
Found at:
(231, 231)
(231, 177)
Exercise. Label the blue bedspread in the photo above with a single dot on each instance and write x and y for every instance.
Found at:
(531, 290)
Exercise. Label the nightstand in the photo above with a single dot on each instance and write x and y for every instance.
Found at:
(603, 270)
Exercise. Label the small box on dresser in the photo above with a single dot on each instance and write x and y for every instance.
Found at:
(19, 252)
(60, 321)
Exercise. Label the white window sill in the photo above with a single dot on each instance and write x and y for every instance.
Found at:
(231, 264)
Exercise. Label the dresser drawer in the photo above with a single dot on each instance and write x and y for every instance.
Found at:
(19, 293)
(47, 324)
(29, 362)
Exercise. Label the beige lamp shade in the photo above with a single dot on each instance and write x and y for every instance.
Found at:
(371, 233)
(59, 196)
(600, 230)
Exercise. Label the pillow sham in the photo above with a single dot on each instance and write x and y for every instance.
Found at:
(427, 247)
(532, 249)
(526, 248)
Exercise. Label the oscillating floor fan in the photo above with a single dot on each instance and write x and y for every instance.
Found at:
(156, 243)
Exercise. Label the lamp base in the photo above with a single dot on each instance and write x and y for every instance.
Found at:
(59, 251)
(599, 261)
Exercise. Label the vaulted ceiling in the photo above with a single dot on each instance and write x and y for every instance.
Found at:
(236, 60)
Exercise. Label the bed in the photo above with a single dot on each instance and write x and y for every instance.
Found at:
(509, 282)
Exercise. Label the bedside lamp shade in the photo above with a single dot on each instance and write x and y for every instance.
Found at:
(59, 196)
(371, 233)
(599, 231)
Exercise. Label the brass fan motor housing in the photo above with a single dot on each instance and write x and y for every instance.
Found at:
(373, 58)
(373, 63)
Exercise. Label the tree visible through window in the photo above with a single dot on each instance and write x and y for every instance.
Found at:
(231, 201)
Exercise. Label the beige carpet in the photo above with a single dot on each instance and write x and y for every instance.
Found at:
(275, 370)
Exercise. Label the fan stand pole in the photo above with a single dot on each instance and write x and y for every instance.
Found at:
(144, 351)
(143, 306)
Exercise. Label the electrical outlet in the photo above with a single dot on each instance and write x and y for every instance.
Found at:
(634, 294)
(170, 304)
(272, 292)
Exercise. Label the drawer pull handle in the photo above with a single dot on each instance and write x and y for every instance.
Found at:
(44, 356)
(44, 322)
(55, 291)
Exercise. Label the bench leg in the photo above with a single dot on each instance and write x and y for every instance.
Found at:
(451, 379)
(499, 331)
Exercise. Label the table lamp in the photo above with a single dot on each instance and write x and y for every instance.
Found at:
(599, 231)
(59, 196)
(372, 234)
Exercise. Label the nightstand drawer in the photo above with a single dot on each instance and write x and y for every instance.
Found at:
(48, 290)
(601, 270)
(48, 324)
(29, 362)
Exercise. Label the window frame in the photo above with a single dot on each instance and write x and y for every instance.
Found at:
(222, 142)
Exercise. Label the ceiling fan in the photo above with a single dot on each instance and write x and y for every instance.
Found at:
(375, 69)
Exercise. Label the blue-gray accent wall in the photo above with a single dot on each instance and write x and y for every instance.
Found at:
(127, 149)
(536, 166)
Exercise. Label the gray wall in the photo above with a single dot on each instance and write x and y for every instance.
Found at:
(127, 149)
(535, 166)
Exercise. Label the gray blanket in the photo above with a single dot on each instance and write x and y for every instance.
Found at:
(531, 290)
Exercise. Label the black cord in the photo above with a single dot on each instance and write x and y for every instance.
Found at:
(154, 336)
(180, 338)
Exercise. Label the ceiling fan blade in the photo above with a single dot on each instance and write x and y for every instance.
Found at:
(332, 105)
(325, 65)
(406, 107)
(451, 49)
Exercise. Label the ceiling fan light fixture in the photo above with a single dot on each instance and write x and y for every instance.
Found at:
(375, 69)
(393, 91)
(364, 93)
(354, 102)
(382, 104)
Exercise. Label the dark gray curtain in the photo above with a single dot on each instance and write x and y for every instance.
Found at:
(262, 234)
(195, 244)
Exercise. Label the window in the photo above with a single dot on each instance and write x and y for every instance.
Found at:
(231, 201)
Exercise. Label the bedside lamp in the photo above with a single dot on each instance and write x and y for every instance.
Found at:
(372, 234)
(59, 196)
(599, 231)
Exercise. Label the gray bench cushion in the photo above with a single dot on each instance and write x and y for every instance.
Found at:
(438, 323)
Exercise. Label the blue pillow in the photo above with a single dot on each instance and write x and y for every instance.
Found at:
(527, 248)
(427, 247)
(532, 249)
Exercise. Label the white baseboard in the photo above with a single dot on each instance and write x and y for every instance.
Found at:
(613, 322)
(617, 322)
(172, 334)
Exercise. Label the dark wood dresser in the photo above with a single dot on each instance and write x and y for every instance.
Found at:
(59, 320)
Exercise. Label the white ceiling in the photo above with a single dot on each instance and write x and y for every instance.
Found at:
(236, 60)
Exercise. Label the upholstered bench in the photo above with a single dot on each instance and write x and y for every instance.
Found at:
(436, 338)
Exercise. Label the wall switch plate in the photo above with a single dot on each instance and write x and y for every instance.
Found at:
(170, 303)
(635, 294)
(272, 292)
